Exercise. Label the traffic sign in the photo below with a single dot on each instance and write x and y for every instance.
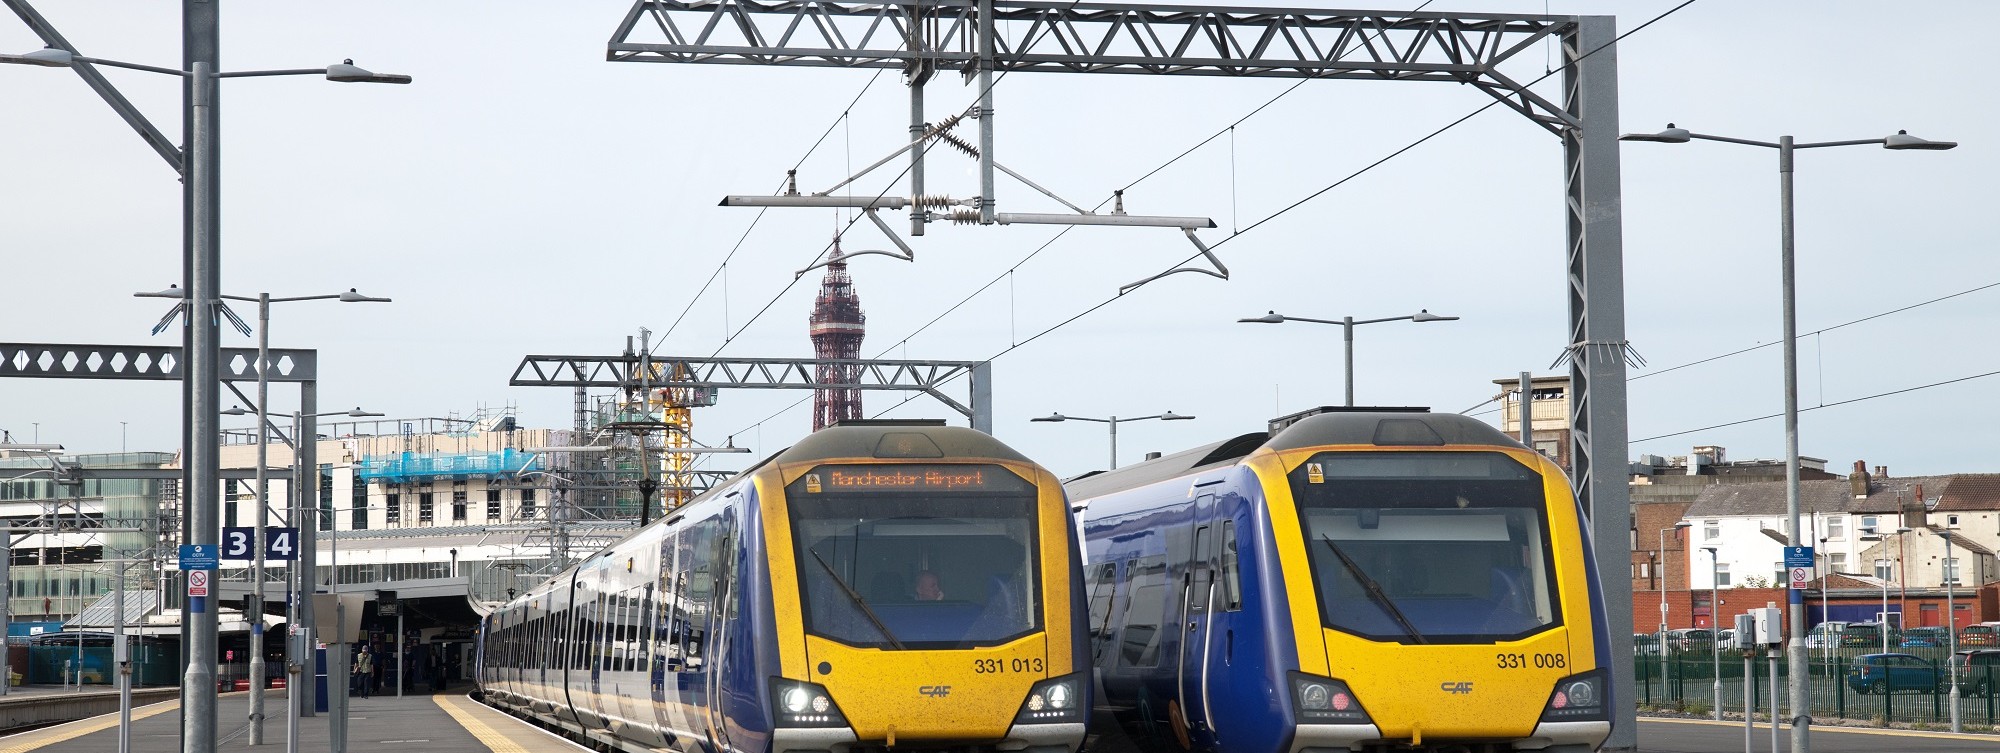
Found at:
(200, 557)
(198, 583)
(1798, 556)
(1801, 577)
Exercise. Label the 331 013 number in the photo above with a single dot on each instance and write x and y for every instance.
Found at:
(1002, 666)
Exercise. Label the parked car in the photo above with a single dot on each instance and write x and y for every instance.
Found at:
(1888, 673)
(1923, 637)
(1825, 634)
(1867, 634)
(1982, 634)
(1645, 644)
(1690, 639)
(1978, 671)
(1725, 637)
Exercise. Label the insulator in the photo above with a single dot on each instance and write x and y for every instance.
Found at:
(935, 200)
(949, 122)
(959, 144)
(965, 216)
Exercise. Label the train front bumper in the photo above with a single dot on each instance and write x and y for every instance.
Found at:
(1021, 738)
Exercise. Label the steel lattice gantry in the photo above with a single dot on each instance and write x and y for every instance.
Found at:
(975, 36)
(622, 371)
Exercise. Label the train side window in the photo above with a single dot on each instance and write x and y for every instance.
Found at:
(1103, 584)
(700, 585)
(1139, 642)
(1232, 578)
(1199, 569)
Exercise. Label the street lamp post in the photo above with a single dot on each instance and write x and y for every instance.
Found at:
(1347, 324)
(1951, 626)
(1901, 140)
(297, 650)
(1715, 625)
(204, 352)
(1113, 421)
(255, 613)
(1679, 526)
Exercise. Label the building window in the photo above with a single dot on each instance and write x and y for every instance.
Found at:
(229, 512)
(527, 503)
(360, 514)
(1883, 571)
(1721, 575)
(1781, 576)
(1868, 523)
(392, 509)
(326, 497)
(458, 505)
(1836, 527)
(424, 507)
(1645, 570)
(1837, 562)
(492, 505)
(1951, 571)
(1711, 530)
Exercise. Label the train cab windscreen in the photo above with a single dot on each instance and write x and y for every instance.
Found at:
(1428, 547)
(932, 556)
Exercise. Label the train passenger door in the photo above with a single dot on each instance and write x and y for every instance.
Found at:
(721, 610)
(1191, 728)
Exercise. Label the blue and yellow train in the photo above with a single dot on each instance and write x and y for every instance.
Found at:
(894, 585)
(1377, 580)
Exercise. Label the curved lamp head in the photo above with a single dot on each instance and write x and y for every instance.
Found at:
(1172, 416)
(353, 296)
(359, 413)
(1903, 140)
(172, 291)
(1425, 315)
(47, 56)
(347, 72)
(1270, 318)
(239, 411)
(1683, 524)
(1672, 135)
(1052, 417)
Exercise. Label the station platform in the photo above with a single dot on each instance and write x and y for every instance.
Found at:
(448, 722)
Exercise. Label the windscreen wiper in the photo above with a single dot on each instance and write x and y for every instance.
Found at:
(1374, 590)
(858, 601)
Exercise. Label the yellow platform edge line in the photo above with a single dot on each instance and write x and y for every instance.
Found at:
(1818, 728)
(493, 739)
(67, 731)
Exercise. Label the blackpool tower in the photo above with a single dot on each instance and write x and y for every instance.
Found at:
(837, 329)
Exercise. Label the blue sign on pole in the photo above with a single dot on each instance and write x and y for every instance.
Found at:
(1798, 556)
(200, 557)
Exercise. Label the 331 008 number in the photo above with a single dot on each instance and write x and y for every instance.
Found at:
(1523, 661)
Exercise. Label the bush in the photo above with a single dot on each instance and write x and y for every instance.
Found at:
(1697, 708)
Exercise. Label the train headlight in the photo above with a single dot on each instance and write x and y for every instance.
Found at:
(1057, 700)
(803, 704)
(1579, 698)
(1324, 700)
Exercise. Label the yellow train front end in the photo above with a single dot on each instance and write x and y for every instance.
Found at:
(924, 590)
(1440, 590)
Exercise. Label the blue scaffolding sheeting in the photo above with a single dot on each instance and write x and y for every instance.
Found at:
(410, 466)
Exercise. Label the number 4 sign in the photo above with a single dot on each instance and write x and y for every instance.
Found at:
(281, 543)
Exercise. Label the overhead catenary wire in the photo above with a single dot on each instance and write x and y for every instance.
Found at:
(1335, 185)
(1849, 401)
(1009, 272)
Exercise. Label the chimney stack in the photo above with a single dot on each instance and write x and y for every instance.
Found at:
(1882, 472)
(1859, 479)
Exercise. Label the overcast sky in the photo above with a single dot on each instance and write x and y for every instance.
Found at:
(526, 196)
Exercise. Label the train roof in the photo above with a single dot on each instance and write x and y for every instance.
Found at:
(1388, 427)
(897, 440)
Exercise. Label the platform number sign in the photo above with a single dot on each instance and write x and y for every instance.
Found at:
(281, 543)
(239, 543)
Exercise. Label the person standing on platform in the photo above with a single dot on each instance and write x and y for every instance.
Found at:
(364, 670)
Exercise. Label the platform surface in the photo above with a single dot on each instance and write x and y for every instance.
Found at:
(435, 723)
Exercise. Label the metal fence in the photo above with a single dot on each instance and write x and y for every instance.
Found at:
(1689, 680)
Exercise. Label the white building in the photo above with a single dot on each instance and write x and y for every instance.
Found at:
(1747, 526)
